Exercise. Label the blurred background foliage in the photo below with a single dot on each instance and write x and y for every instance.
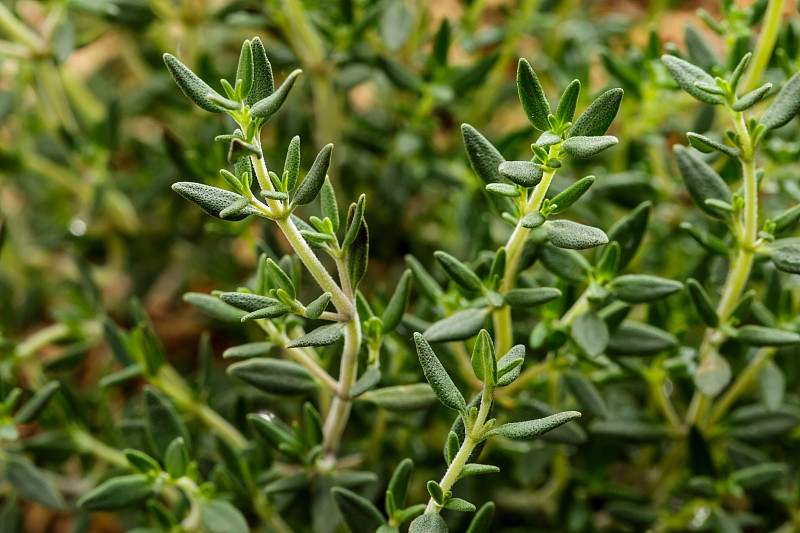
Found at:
(93, 133)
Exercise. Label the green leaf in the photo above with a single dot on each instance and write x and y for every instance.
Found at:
(637, 288)
(274, 376)
(574, 236)
(627, 430)
(356, 256)
(322, 336)
(317, 307)
(436, 492)
(273, 311)
(263, 81)
(118, 493)
(401, 398)
(686, 75)
(451, 447)
(531, 94)
(533, 220)
(787, 219)
(531, 297)
(142, 462)
(524, 173)
(437, 376)
(702, 303)
(598, 117)
(586, 393)
(482, 520)
(312, 184)
(629, 232)
(368, 380)
(760, 475)
(566, 264)
(213, 200)
(244, 72)
(281, 278)
(359, 514)
(569, 100)
(219, 516)
(748, 100)
(713, 375)
(37, 404)
(426, 285)
(706, 145)
(193, 87)
(395, 26)
(736, 75)
(474, 469)
(398, 484)
(503, 189)
(176, 458)
(786, 258)
(396, 307)
(458, 326)
(547, 139)
(459, 272)
(268, 106)
(247, 301)
(484, 360)
(590, 333)
(785, 106)
(428, 523)
(163, 423)
(457, 504)
(355, 215)
(608, 263)
(485, 160)
(534, 428)
(291, 167)
(699, 50)
(772, 383)
(584, 146)
(31, 483)
(637, 338)
(563, 200)
(235, 208)
(230, 105)
(702, 182)
(330, 208)
(764, 336)
(272, 430)
(510, 365)
(708, 241)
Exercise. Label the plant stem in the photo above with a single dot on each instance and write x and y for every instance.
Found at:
(89, 444)
(766, 44)
(337, 418)
(19, 31)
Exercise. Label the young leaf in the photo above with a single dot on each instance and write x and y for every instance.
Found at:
(356, 256)
(590, 333)
(268, 106)
(291, 167)
(702, 182)
(322, 336)
(354, 217)
(533, 220)
(274, 376)
(637, 288)
(706, 145)
(193, 87)
(510, 365)
(503, 189)
(437, 376)
(574, 236)
(524, 173)
(702, 303)
(746, 101)
(118, 493)
(451, 447)
(534, 428)
(436, 492)
(281, 278)
(401, 398)
(396, 307)
(212, 200)
(583, 146)
(570, 195)
(484, 360)
(142, 462)
(317, 307)
(330, 208)
(474, 469)
(458, 326)
(457, 504)
(686, 75)
(459, 272)
(597, 118)
(531, 94)
(569, 100)
(263, 82)
(785, 105)
(531, 297)
(244, 72)
(312, 184)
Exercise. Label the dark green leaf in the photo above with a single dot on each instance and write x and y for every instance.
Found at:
(787, 258)
(702, 182)
(368, 380)
(746, 101)
(437, 376)
(574, 236)
(176, 458)
(401, 398)
(636, 338)
(291, 167)
(586, 393)
(686, 75)
(312, 184)
(531, 94)
(247, 301)
(484, 360)
(396, 307)
(590, 333)
(629, 231)
(459, 272)
(426, 285)
(569, 99)
(533, 220)
(274, 376)
(699, 50)
(193, 87)
(785, 105)
(706, 145)
(322, 336)
(563, 200)
(244, 71)
(281, 278)
(142, 462)
(359, 514)
(598, 117)
(457, 504)
(265, 108)
(31, 483)
(356, 256)
(317, 307)
(524, 173)
(627, 430)
(118, 493)
(163, 423)
(763, 336)
(566, 264)
(398, 484)
(637, 288)
(213, 200)
(772, 383)
(759, 476)
(482, 520)
(531, 297)
(503, 189)
(474, 469)
(702, 303)
(263, 82)
(37, 404)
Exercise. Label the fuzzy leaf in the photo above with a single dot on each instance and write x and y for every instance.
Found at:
(163, 423)
(637, 288)
(263, 82)
(532, 220)
(629, 232)
(534, 428)
(569, 100)
(356, 256)
(193, 87)
(459, 272)
(428, 523)
(474, 469)
(597, 118)
(268, 106)
(785, 105)
(401, 398)
(566, 264)
(787, 258)
(574, 236)
(503, 189)
(524, 173)
(274, 376)
(440, 381)
(457, 504)
(484, 360)
(244, 71)
(312, 184)
(482, 520)
(702, 182)
(247, 301)
(531, 297)
(322, 336)
(583, 147)
(637, 338)
(118, 493)
(764, 336)
(212, 306)
(686, 75)
(746, 101)
(586, 393)
(531, 94)
(213, 200)
(458, 326)
(706, 145)
(571, 194)
(398, 484)
(510, 365)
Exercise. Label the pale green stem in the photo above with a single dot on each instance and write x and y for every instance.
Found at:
(89, 444)
(472, 438)
(464, 361)
(766, 44)
(744, 380)
(337, 418)
(580, 305)
(17, 30)
(655, 379)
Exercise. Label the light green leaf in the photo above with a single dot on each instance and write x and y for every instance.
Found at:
(787, 258)
(574, 236)
(510, 365)
(746, 101)
(563, 200)
(457, 504)
(713, 375)
(474, 469)
(118, 493)
(484, 360)
(706, 145)
(637, 338)
(764, 336)
(212, 306)
(590, 333)
(459, 272)
(31, 483)
(244, 72)
(219, 516)
(401, 398)
(428, 523)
